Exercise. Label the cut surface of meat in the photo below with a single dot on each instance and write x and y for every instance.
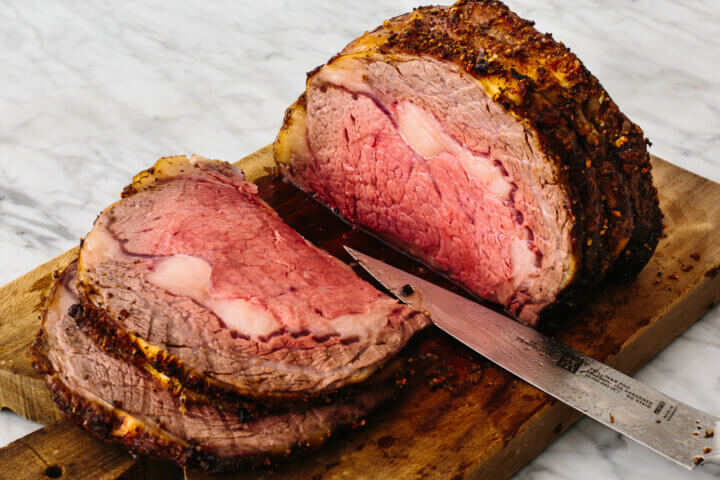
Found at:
(119, 402)
(483, 148)
(196, 275)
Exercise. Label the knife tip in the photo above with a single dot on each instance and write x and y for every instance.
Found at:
(353, 253)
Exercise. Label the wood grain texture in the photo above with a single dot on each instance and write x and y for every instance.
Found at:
(45, 454)
(20, 304)
(460, 416)
(62, 450)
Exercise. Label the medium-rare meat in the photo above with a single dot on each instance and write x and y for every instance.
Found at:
(194, 274)
(482, 147)
(119, 402)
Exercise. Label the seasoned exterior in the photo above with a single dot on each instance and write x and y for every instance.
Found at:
(484, 148)
(192, 274)
(118, 402)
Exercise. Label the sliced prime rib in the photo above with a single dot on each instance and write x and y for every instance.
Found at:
(482, 147)
(117, 401)
(192, 273)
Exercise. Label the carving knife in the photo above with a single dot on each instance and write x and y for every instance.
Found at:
(671, 428)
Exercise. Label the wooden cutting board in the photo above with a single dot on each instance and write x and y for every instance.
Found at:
(460, 416)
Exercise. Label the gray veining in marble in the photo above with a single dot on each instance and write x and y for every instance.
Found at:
(92, 92)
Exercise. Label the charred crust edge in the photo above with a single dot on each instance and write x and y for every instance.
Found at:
(600, 156)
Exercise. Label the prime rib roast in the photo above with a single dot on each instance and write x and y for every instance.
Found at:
(119, 402)
(192, 273)
(199, 327)
(482, 147)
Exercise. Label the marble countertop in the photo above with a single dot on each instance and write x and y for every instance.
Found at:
(92, 92)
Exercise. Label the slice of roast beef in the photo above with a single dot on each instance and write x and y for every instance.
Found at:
(194, 274)
(118, 402)
(482, 147)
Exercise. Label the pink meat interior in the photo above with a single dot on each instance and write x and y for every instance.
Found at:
(252, 254)
(200, 267)
(418, 153)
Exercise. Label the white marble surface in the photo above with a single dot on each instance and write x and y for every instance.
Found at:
(93, 92)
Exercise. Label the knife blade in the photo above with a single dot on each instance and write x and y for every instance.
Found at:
(671, 428)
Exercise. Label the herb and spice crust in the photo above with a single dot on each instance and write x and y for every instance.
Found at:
(599, 156)
(125, 405)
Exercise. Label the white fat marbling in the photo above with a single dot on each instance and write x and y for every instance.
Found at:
(92, 92)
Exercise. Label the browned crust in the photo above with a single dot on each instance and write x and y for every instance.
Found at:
(600, 155)
(104, 421)
(100, 420)
(120, 344)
